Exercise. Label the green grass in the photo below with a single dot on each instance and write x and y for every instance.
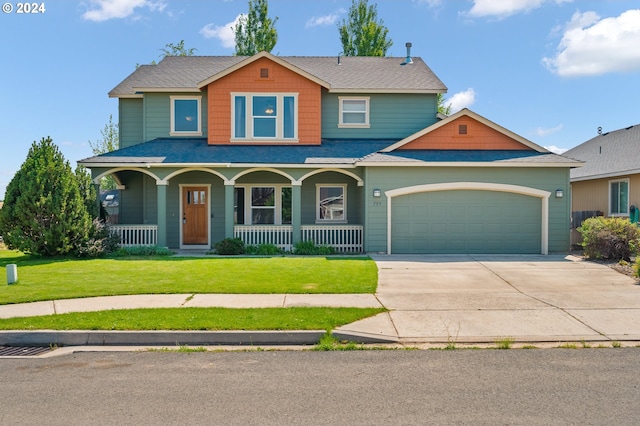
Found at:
(195, 319)
(51, 279)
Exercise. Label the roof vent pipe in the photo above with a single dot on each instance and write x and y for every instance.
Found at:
(408, 60)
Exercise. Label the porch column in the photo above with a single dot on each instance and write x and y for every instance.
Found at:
(161, 188)
(296, 212)
(228, 209)
(96, 186)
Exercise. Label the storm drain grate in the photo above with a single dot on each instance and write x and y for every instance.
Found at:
(23, 350)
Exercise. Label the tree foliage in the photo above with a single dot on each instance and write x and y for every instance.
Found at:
(442, 108)
(362, 34)
(87, 191)
(171, 49)
(43, 212)
(110, 142)
(255, 32)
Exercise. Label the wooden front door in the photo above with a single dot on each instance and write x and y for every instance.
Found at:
(195, 215)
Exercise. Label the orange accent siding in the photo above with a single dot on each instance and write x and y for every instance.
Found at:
(478, 137)
(247, 79)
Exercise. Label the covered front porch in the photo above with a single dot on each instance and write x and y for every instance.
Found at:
(194, 208)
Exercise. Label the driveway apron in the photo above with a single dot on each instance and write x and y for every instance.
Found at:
(485, 298)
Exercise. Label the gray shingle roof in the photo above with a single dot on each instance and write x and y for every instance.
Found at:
(197, 151)
(610, 154)
(471, 156)
(352, 74)
(332, 151)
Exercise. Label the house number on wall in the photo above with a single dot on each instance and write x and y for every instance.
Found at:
(377, 203)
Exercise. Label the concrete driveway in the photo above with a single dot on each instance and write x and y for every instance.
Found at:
(484, 298)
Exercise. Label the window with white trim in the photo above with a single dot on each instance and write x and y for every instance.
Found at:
(264, 116)
(331, 203)
(353, 112)
(185, 116)
(262, 205)
(619, 197)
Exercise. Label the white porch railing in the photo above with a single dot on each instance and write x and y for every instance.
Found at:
(344, 238)
(253, 235)
(136, 235)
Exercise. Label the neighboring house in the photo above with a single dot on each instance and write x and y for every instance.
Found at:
(345, 151)
(609, 183)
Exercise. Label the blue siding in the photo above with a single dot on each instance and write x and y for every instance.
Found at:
(157, 114)
(131, 121)
(392, 116)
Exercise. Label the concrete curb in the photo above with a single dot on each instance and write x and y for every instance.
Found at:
(177, 338)
(158, 338)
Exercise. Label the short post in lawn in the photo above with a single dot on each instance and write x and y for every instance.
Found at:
(12, 273)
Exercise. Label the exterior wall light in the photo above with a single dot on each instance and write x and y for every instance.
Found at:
(559, 193)
(377, 193)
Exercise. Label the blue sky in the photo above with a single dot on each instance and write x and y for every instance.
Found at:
(552, 71)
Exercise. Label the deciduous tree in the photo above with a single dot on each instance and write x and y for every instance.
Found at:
(110, 142)
(171, 49)
(362, 34)
(255, 32)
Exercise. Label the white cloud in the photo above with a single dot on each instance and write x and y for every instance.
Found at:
(224, 33)
(546, 132)
(505, 8)
(461, 100)
(430, 3)
(318, 21)
(593, 46)
(555, 149)
(103, 10)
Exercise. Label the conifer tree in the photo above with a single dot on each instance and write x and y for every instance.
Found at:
(43, 210)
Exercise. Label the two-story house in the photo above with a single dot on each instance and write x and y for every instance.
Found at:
(345, 151)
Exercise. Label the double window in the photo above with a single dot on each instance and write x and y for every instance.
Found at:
(354, 112)
(185, 116)
(262, 205)
(619, 197)
(264, 116)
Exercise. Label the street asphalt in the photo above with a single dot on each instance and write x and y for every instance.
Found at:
(430, 299)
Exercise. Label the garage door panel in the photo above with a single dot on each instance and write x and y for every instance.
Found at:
(466, 222)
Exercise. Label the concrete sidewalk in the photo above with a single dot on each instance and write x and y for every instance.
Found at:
(481, 299)
(431, 299)
(94, 304)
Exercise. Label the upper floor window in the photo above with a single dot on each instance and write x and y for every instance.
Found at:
(185, 116)
(354, 112)
(264, 116)
(619, 197)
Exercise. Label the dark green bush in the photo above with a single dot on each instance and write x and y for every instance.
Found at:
(142, 251)
(610, 238)
(309, 248)
(264, 250)
(229, 246)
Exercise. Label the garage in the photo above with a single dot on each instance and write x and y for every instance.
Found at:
(434, 220)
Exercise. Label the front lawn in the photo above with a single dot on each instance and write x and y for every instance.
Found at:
(195, 319)
(51, 279)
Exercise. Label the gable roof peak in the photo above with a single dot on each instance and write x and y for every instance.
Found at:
(465, 112)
